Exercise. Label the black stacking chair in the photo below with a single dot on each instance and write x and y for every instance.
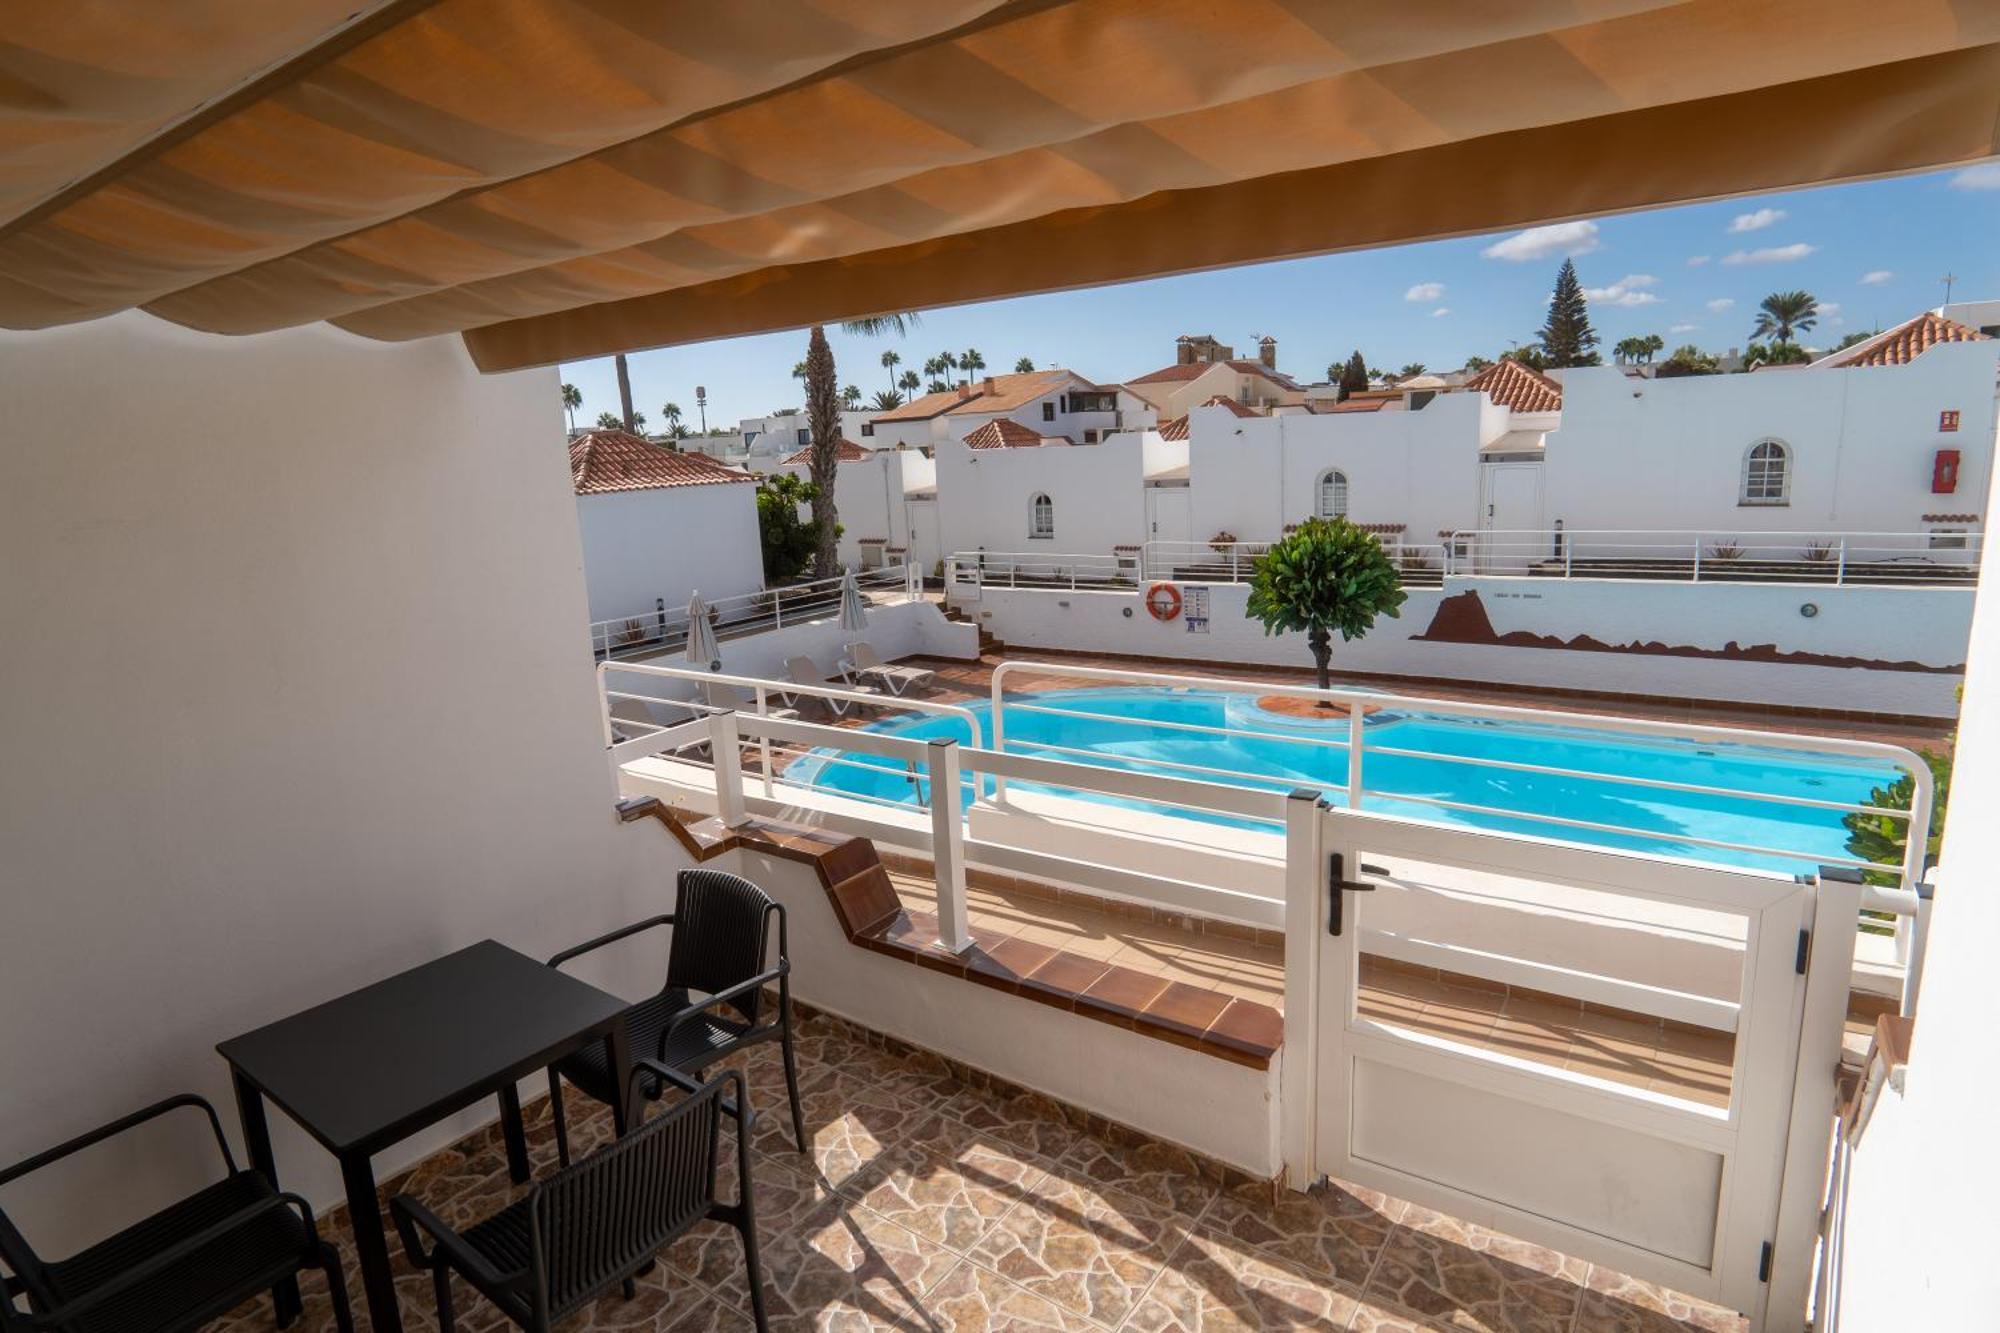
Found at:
(187, 1264)
(721, 935)
(603, 1220)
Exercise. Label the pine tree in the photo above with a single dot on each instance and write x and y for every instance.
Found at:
(1567, 338)
(1354, 375)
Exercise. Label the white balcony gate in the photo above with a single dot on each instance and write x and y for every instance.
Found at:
(1703, 1199)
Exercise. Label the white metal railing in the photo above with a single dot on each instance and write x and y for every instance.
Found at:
(1041, 569)
(1353, 739)
(1232, 561)
(943, 765)
(664, 628)
(1722, 555)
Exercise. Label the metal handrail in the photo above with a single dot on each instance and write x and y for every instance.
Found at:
(1917, 816)
(1694, 555)
(662, 628)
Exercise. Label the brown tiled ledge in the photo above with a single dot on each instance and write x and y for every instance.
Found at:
(873, 917)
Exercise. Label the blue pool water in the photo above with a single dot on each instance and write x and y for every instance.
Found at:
(1650, 819)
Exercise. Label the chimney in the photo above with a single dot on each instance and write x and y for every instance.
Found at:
(1267, 352)
(986, 385)
(1183, 351)
(965, 391)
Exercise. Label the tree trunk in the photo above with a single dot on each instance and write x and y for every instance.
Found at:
(625, 394)
(823, 417)
(1321, 644)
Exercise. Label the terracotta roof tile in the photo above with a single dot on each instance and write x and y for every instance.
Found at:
(1006, 433)
(1183, 371)
(994, 393)
(1177, 429)
(847, 451)
(1904, 343)
(614, 460)
(1358, 405)
(1511, 384)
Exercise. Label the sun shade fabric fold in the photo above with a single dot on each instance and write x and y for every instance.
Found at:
(561, 178)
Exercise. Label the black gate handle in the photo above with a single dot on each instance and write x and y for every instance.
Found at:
(1338, 884)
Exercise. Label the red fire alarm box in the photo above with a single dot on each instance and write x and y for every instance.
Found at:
(1944, 472)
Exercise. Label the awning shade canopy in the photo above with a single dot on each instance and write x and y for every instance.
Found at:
(563, 178)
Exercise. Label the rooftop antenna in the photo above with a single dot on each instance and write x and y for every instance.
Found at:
(1948, 279)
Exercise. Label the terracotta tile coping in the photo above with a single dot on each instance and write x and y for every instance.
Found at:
(873, 917)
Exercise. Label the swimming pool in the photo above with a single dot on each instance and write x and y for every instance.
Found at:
(1294, 752)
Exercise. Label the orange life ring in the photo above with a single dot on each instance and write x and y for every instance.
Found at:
(1163, 601)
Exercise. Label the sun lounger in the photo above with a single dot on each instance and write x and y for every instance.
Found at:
(863, 661)
(804, 671)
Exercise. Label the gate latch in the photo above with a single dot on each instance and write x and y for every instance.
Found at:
(1338, 884)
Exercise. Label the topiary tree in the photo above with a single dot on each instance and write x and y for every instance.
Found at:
(1326, 575)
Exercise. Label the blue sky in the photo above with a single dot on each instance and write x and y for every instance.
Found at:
(1873, 254)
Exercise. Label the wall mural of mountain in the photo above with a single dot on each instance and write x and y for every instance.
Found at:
(1462, 618)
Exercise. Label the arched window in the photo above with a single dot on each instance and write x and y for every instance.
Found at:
(1330, 496)
(1041, 517)
(1767, 474)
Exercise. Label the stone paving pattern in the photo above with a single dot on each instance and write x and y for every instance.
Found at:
(929, 1204)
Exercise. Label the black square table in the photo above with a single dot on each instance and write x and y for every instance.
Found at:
(373, 1067)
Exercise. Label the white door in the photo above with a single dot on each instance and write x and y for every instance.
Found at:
(1505, 1102)
(1168, 514)
(925, 547)
(1510, 518)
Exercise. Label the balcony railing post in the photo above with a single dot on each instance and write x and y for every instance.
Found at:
(764, 740)
(1840, 569)
(1697, 557)
(948, 844)
(1354, 787)
(727, 758)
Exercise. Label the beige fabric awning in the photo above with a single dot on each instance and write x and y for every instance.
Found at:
(564, 178)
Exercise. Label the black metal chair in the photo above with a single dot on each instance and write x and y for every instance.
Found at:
(189, 1263)
(721, 936)
(602, 1221)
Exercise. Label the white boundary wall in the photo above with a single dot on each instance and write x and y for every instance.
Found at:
(669, 542)
(298, 696)
(1892, 624)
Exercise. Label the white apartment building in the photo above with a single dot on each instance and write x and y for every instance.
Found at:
(1059, 406)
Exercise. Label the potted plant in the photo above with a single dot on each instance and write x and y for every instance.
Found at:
(1326, 575)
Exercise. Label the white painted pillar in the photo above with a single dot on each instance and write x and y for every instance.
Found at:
(724, 743)
(948, 844)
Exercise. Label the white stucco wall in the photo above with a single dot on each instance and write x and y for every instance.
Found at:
(1919, 1226)
(1668, 453)
(1922, 625)
(1252, 476)
(668, 542)
(873, 497)
(1098, 496)
(298, 696)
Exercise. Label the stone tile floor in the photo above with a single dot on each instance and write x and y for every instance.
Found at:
(928, 1204)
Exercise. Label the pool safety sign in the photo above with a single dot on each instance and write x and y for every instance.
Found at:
(1194, 607)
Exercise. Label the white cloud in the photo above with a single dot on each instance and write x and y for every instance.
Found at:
(1563, 238)
(1683, 328)
(1985, 176)
(1424, 291)
(1696, 261)
(1757, 221)
(1440, 312)
(1829, 312)
(1772, 254)
(1628, 290)
(1721, 303)
(1876, 277)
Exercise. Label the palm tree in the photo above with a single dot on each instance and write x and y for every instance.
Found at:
(886, 399)
(971, 362)
(1024, 367)
(609, 421)
(910, 381)
(1649, 345)
(1781, 314)
(823, 420)
(1411, 371)
(572, 400)
(631, 418)
(798, 370)
(851, 395)
(890, 360)
(671, 414)
(946, 363)
(1628, 349)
